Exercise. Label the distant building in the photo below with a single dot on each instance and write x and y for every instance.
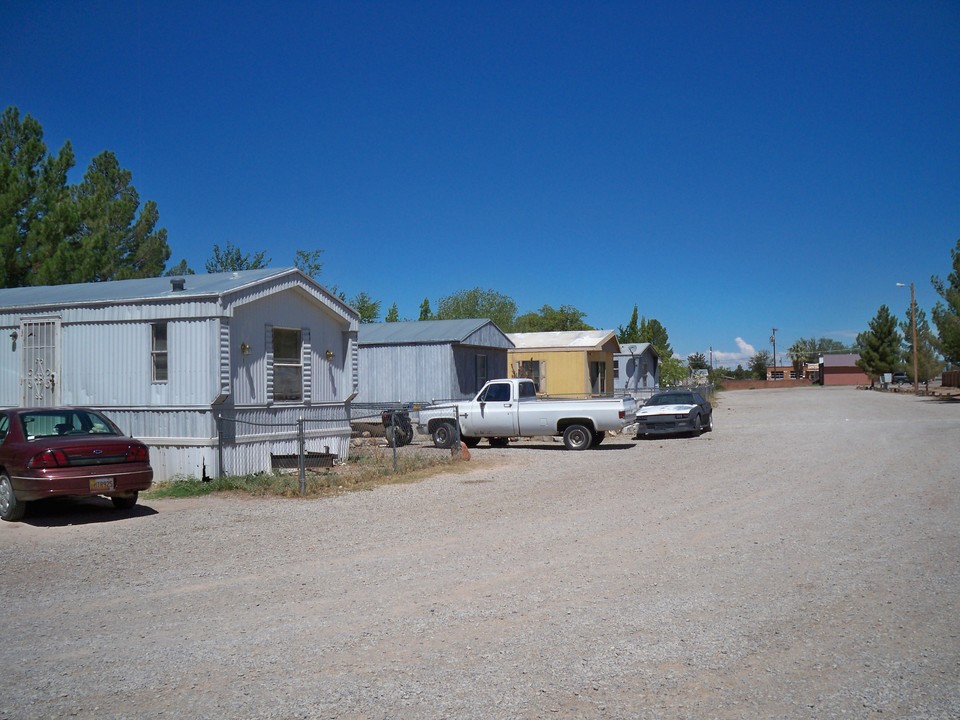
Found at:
(842, 369)
(570, 363)
(429, 360)
(636, 370)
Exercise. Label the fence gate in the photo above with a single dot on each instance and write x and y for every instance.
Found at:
(41, 362)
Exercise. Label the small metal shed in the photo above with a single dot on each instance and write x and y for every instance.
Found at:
(167, 358)
(636, 370)
(429, 360)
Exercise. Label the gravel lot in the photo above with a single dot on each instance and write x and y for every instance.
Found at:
(802, 561)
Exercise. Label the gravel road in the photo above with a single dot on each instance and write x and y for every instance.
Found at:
(801, 561)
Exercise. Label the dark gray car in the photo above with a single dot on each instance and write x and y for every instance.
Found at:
(674, 412)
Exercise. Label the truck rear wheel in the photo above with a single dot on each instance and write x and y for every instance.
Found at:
(598, 438)
(499, 442)
(443, 435)
(577, 437)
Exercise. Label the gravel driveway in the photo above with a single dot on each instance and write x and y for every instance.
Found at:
(801, 561)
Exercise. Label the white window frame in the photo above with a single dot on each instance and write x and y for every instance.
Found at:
(159, 372)
(285, 364)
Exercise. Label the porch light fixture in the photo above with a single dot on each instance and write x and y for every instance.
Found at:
(328, 354)
(244, 349)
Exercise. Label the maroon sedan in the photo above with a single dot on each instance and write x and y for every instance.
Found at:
(51, 452)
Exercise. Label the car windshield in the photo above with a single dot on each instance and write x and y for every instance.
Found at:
(672, 399)
(48, 423)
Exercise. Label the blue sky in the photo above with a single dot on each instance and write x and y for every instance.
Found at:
(728, 167)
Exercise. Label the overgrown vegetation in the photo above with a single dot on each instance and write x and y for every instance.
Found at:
(364, 471)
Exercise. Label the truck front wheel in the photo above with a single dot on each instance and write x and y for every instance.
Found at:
(577, 437)
(443, 435)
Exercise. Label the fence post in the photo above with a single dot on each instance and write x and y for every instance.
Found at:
(456, 430)
(219, 446)
(302, 464)
(393, 442)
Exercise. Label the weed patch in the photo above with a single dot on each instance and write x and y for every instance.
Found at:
(364, 470)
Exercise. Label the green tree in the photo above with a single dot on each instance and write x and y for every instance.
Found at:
(393, 314)
(929, 364)
(477, 303)
(36, 210)
(880, 345)
(425, 312)
(231, 259)
(672, 371)
(759, 364)
(113, 238)
(630, 333)
(308, 262)
(697, 361)
(181, 268)
(798, 356)
(656, 334)
(52, 233)
(946, 313)
(368, 308)
(549, 319)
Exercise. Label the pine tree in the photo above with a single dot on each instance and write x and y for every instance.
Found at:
(880, 345)
(425, 312)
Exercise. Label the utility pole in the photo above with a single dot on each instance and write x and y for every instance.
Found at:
(913, 328)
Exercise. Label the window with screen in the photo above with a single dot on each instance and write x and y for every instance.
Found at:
(287, 365)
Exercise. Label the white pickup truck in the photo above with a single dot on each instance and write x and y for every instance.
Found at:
(510, 408)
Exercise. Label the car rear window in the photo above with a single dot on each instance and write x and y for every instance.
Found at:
(49, 423)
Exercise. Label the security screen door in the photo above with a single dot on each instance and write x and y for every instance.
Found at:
(41, 362)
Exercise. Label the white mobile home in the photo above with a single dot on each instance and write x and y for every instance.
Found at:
(170, 358)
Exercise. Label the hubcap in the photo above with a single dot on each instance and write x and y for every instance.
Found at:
(6, 495)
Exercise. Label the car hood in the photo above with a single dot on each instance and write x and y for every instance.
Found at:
(648, 410)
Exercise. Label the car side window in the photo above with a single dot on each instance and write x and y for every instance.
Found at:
(4, 426)
(497, 393)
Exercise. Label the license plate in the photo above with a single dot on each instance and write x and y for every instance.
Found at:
(101, 484)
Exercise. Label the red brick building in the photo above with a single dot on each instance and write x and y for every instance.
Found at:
(841, 369)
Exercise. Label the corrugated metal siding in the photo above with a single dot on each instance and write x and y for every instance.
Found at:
(407, 373)
(324, 380)
(107, 364)
(488, 336)
(465, 363)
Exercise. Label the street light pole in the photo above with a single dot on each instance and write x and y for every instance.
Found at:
(913, 328)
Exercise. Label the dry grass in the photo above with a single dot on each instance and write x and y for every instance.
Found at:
(368, 467)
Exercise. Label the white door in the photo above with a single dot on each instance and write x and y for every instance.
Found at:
(40, 370)
(495, 415)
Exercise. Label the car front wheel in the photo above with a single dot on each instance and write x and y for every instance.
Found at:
(697, 426)
(11, 509)
(443, 435)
